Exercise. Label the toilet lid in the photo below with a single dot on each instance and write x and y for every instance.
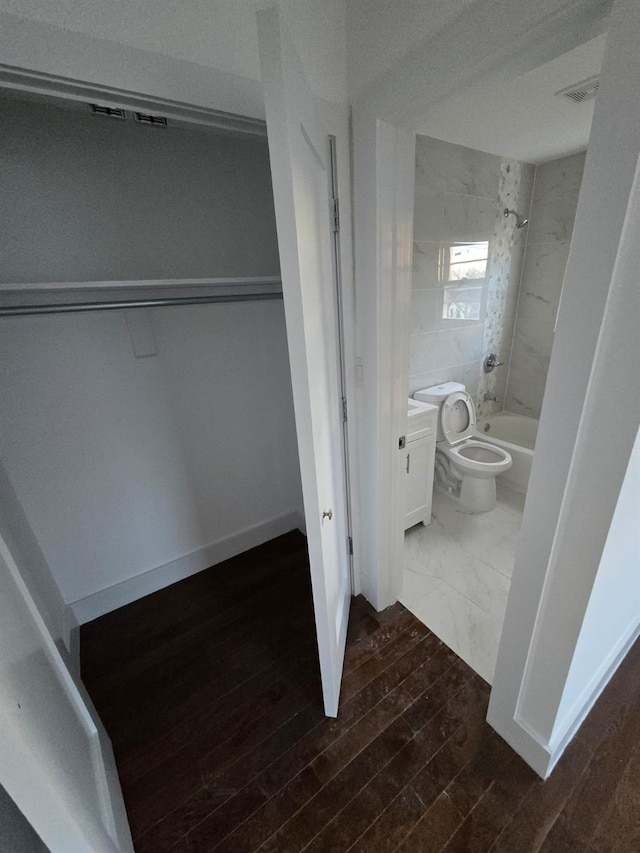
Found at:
(458, 417)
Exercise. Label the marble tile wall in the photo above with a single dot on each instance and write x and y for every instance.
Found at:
(503, 282)
(460, 195)
(553, 207)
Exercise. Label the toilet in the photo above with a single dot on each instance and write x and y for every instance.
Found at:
(465, 468)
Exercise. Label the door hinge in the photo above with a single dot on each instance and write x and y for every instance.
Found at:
(350, 542)
(335, 216)
(344, 409)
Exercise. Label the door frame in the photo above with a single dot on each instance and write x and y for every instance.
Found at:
(469, 51)
(34, 795)
(335, 214)
(473, 50)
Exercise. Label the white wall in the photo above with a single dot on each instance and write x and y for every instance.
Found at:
(612, 619)
(123, 465)
(90, 198)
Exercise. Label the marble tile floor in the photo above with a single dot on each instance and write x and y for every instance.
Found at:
(457, 574)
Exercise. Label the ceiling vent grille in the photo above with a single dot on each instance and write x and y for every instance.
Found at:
(110, 112)
(157, 121)
(579, 92)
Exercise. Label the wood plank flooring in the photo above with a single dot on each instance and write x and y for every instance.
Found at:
(210, 692)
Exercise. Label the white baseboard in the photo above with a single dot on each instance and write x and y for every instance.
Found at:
(108, 599)
(521, 739)
(591, 693)
(543, 756)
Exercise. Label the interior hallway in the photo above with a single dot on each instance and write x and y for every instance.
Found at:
(210, 692)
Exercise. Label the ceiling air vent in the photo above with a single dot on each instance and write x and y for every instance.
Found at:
(579, 92)
(110, 112)
(157, 121)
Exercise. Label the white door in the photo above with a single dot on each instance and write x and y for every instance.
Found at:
(299, 166)
(53, 762)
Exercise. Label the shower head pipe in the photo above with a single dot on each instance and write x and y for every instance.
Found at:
(520, 223)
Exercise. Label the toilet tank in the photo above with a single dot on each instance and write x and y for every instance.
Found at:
(437, 394)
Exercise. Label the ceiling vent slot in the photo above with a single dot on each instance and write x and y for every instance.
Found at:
(110, 112)
(157, 121)
(579, 92)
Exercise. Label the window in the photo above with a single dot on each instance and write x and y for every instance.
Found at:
(463, 270)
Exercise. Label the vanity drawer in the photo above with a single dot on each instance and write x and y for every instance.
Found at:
(421, 425)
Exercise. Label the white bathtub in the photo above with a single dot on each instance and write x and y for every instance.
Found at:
(517, 435)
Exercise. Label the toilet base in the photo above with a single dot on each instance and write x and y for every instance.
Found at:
(474, 494)
(478, 494)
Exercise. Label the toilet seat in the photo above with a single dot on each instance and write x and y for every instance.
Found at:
(478, 457)
(458, 417)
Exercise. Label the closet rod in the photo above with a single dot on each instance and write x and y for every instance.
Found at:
(73, 307)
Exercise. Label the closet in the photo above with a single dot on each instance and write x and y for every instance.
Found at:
(147, 426)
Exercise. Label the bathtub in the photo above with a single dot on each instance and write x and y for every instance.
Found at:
(517, 435)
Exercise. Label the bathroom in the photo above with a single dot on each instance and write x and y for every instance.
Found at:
(494, 205)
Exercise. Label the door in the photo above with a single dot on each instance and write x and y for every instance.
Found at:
(418, 468)
(54, 763)
(299, 167)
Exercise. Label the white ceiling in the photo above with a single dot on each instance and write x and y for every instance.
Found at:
(219, 33)
(523, 117)
(380, 32)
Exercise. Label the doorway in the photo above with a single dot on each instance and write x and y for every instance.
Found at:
(492, 231)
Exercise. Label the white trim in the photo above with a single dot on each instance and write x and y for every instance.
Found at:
(589, 696)
(108, 785)
(528, 744)
(541, 755)
(53, 85)
(111, 597)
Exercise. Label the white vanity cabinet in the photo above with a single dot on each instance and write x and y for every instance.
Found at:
(417, 461)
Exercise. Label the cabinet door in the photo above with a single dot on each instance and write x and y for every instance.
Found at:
(418, 462)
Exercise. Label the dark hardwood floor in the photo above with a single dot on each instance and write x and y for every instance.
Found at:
(210, 692)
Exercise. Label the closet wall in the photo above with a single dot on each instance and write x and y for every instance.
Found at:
(89, 198)
(135, 471)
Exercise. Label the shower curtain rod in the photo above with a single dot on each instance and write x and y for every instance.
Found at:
(76, 307)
